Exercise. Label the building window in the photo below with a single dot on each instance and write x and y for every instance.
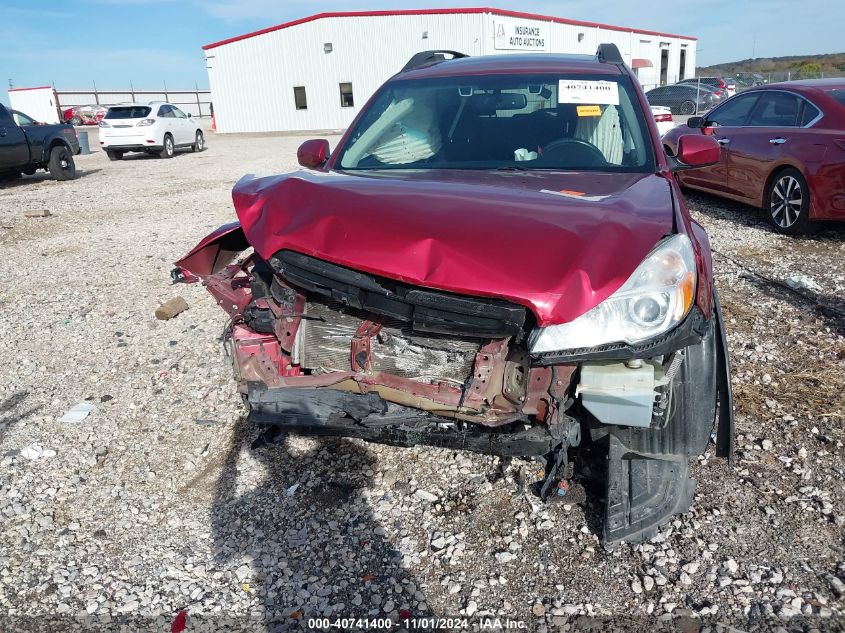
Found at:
(580, 37)
(682, 71)
(299, 98)
(346, 100)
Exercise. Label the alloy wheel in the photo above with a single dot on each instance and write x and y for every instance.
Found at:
(786, 201)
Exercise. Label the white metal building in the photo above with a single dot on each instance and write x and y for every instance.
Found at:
(316, 72)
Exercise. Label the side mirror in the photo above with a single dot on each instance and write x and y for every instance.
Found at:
(695, 151)
(313, 154)
(695, 122)
(189, 115)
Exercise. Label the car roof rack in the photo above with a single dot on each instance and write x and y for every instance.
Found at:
(609, 54)
(429, 58)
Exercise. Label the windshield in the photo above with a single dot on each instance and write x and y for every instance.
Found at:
(572, 122)
(128, 112)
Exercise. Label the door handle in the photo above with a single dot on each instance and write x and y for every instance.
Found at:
(777, 141)
(723, 141)
(2, 131)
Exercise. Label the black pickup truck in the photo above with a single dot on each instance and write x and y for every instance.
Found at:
(26, 145)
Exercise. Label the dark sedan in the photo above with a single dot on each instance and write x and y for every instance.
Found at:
(783, 149)
(683, 98)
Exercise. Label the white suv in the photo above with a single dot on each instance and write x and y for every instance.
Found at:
(154, 128)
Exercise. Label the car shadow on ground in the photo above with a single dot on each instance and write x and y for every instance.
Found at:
(829, 308)
(155, 156)
(746, 215)
(312, 545)
(42, 176)
(8, 414)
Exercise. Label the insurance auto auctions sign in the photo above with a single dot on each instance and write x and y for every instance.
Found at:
(520, 35)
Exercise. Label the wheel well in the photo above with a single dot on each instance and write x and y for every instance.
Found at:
(56, 142)
(777, 171)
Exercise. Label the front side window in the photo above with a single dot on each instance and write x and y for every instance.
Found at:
(346, 99)
(583, 122)
(776, 109)
(178, 113)
(733, 112)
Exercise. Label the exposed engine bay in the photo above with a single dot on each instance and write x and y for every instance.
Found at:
(321, 349)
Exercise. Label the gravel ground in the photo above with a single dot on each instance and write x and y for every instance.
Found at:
(154, 503)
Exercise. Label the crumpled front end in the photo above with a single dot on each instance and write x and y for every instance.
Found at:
(322, 349)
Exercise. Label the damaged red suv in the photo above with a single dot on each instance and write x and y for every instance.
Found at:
(495, 258)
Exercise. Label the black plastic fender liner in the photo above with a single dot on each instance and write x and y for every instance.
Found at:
(643, 492)
(725, 424)
(693, 410)
(648, 468)
(329, 412)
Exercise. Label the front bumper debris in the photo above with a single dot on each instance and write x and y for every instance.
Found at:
(327, 412)
(322, 350)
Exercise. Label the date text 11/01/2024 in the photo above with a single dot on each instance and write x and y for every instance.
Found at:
(420, 624)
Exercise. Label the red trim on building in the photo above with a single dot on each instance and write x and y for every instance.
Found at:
(35, 88)
(468, 11)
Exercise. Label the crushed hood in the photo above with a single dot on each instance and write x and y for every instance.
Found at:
(557, 243)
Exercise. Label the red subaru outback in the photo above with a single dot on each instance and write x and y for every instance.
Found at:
(496, 258)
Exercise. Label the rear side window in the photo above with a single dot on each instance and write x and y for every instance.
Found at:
(776, 109)
(167, 112)
(734, 112)
(809, 113)
(839, 95)
(128, 112)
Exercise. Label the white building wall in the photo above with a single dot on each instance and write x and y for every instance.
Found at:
(252, 79)
(38, 103)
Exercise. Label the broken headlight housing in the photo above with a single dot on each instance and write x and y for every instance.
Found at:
(654, 300)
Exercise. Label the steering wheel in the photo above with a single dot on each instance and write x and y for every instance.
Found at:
(576, 151)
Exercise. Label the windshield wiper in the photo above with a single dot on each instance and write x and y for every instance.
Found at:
(512, 168)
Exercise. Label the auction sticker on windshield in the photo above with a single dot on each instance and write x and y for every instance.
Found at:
(585, 91)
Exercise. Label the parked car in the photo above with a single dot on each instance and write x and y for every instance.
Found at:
(720, 87)
(783, 149)
(496, 258)
(27, 145)
(155, 128)
(84, 114)
(663, 119)
(683, 98)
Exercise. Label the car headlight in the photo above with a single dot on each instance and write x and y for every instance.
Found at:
(655, 299)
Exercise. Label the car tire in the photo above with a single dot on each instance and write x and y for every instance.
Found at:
(687, 107)
(169, 149)
(114, 155)
(199, 144)
(75, 120)
(61, 163)
(787, 203)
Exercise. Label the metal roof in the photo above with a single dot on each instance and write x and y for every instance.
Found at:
(471, 10)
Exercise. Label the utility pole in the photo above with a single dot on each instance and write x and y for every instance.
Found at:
(11, 83)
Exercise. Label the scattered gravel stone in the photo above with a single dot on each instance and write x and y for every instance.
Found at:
(157, 502)
(425, 495)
